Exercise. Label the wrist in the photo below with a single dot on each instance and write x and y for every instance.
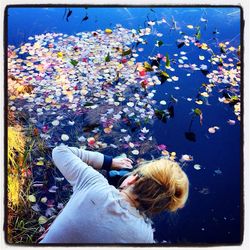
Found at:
(107, 162)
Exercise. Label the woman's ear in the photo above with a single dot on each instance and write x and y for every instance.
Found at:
(133, 179)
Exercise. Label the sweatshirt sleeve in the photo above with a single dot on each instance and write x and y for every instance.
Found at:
(77, 165)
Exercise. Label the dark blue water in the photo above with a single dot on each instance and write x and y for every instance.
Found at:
(213, 212)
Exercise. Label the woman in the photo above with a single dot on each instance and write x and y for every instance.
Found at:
(99, 213)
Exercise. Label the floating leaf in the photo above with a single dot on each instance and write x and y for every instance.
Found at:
(64, 137)
(53, 189)
(173, 153)
(223, 49)
(42, 220)
(197, 111)
(107, 58)
(44, 199)
(147, 66)
(60, 54)
(231, 122)
(212, 130)
(55, 123)
(48, 100)
(73, 62)
(199, 102)
(186, 158)
(32, 198)
(130, 104)
(144, 130)
(135, 152)
(107, 130)
(162, 102)
(205, 94)
(167, 61)
(201, 58)
(163, 76)
(181, 44)
(204, 46)
(198, 33)
(40, 163)
(234, 98)
(163, 73)
(88, 104)
(36, 208)
(161, 115)
(126, 52)
(159, 43)
(108, 31)
(175, 78)
(197, 166)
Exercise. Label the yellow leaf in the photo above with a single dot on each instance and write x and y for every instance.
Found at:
(108, 31)
(20, 88)
(12, 97)
(32, 198)
(29, 64)
(40, 163)
(120, 66)
(190, 26)
(59, 54)
(42, 220)
(173, 153)
(36, 46)
(48, 100)
(130, 63)
(44, 200)
(107, 130)
(204, 46)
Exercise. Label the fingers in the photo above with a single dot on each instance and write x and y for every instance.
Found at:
(128, 160)
(127, 163)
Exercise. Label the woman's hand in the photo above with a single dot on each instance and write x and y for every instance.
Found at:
(118, 163)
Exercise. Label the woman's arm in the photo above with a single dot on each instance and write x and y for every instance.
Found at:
(93, 159)
(74, 163)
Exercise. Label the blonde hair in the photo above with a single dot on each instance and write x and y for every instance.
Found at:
(161, 186)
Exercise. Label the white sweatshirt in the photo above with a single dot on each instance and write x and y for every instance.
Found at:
(96, 211)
